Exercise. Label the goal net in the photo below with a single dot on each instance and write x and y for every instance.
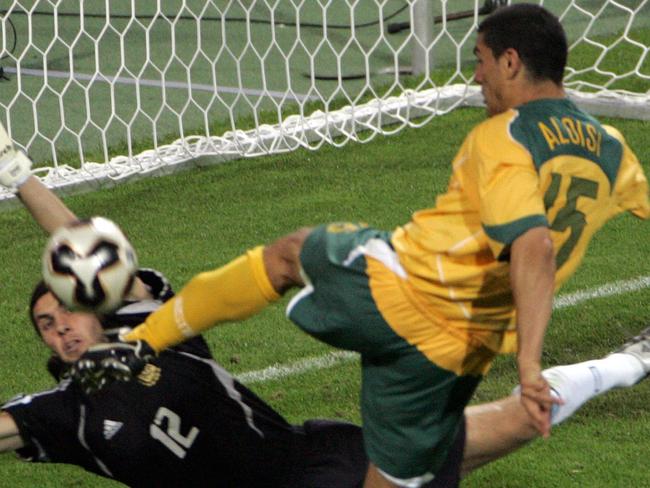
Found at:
(100, 91)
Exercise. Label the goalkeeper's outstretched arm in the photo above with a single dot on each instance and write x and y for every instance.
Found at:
(16, 174)
(47, 209)
(10, 439)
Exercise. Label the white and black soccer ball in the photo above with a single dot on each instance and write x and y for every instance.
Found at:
(90, 265)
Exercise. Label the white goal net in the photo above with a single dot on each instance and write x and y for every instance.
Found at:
(99, 91)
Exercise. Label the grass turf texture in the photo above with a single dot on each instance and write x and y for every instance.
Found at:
(199, 219)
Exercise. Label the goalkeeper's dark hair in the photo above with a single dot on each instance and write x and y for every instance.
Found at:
(535, 33)
(39, 290)
(55, 366)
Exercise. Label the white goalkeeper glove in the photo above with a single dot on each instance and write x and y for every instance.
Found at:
(15, 166)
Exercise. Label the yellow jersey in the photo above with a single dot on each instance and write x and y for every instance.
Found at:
(545, 163)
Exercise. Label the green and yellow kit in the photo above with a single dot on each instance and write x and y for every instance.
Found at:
(430, 305)
(546, 163)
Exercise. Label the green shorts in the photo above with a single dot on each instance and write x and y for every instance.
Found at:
(411, 408)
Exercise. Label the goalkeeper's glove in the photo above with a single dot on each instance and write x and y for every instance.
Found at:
(106, 363)
(15, 166)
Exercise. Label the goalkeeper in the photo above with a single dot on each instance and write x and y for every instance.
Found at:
(431, 304)
(153, 432)
(186, 422)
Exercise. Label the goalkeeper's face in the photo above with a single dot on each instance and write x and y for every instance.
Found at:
(67, 334)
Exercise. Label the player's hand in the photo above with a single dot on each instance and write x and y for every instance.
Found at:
(537, 399)
(15, 166)
(106, 363)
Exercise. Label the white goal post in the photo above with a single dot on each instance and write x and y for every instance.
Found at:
(101, 91)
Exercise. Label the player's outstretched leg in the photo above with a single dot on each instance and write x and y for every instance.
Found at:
(498, 428)
(578, 383)
(231, 292)
(639, 347)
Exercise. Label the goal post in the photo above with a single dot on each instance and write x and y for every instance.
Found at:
(100, 92)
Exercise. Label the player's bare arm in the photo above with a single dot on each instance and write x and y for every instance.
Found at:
(47, 209)
(10, 439)
(45, 206)
(532, 276)
(16, 174)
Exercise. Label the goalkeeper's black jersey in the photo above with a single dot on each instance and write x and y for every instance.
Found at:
(185, 423)
(193, 426)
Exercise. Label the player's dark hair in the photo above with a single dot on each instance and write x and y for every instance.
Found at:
(39, 290)
(532, 31)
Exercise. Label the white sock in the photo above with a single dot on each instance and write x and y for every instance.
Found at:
(578, 383)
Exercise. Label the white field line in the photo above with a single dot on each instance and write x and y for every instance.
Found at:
(280, 371)
(67, 75)
(606, 290)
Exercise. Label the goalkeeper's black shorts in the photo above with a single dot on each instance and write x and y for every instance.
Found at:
(332, 455)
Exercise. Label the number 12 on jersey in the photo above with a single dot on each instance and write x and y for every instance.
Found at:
(172, 438)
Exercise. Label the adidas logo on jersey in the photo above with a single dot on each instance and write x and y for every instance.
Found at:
(111, 427)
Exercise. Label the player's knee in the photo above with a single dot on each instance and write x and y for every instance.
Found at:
(282, 260)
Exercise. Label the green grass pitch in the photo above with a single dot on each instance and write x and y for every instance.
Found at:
(199, 219)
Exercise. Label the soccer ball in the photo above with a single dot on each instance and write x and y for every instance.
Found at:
(89, 265)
